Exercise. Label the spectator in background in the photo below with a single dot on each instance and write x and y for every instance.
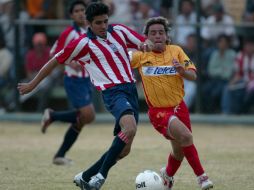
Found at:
(36, 10)
(6, 61)
(7, 22)
(239, 94)
(185, 22)
(35, 59)
(248, 15)
(190, 87)
(120, 11)
(141, 11)
(166, 8)
(220, 69)
(218, 23)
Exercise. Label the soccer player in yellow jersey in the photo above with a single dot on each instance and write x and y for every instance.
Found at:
(162, 72)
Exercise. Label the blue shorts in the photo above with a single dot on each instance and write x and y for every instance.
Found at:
(119, 100)
(79, 91)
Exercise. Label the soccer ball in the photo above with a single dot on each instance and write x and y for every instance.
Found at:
(149, 180)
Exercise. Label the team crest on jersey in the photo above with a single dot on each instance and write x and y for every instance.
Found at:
(113, 47)
(158, 70)
(187, 63)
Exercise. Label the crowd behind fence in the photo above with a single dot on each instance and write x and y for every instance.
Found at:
(220, 43)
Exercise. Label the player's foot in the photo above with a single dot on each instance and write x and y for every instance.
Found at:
(78, 180)
(204, 182)
(46, 120)
(96, 181)
(168, 181)
(62, 161)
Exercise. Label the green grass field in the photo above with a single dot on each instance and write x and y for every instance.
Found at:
(227, 153)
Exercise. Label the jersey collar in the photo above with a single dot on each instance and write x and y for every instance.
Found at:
(92, 36)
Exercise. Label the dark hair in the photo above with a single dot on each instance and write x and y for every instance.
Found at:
(74, 3)
(96, 9)
(2, 40)
(224, 36)
(156, 20)
(187, 1)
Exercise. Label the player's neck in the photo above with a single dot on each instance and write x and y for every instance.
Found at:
(159, 49)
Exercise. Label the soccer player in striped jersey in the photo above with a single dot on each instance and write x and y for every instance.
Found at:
(77, 86)
(162, 72)
(103, 51)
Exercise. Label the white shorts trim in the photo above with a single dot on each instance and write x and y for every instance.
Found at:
(169, 122)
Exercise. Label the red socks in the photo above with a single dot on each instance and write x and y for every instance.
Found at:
(173, 165)
(192, 157)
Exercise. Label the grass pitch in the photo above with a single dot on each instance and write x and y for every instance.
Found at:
(226, 152)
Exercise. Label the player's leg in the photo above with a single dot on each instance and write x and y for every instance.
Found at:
(80, 94)
(174, 162)
(120, 148)
(174, 159)
(182, 134)
(72, 134)
(72, 86)
(122, 143)
(122, 102)
(49, 116)
(94, 169)
(86, 115)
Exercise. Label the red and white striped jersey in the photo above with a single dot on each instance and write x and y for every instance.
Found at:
(106, 60)
(69, 34)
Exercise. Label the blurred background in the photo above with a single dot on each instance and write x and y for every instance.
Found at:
(217, 35)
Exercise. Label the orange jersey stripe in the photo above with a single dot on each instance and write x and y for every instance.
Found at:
(163, 86)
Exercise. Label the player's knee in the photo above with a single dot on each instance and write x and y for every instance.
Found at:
(130, 131)
(186, 139)
(178, 154)
(90, 118)
(86, 118)
(128, 125)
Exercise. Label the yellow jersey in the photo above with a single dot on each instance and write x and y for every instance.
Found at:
(163, 86)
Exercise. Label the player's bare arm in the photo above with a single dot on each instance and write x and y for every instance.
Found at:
(25, 88)
(187, 74)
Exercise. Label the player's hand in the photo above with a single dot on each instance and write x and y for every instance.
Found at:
(146, 46)
(179, 68)
(24, 88)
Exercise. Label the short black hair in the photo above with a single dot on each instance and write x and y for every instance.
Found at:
(74, 3)
(96, 9)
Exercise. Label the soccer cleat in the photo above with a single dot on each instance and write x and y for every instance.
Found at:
(80, 182)
(46, 120)
(168, 181)
(62, 161)
(96, 182)
(204, 182)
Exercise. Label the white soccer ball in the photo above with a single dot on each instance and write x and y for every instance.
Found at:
(149, 180)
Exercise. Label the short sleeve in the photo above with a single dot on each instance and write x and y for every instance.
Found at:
(135, 58)
(184, 59)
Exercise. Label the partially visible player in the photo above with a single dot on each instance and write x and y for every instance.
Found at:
(162, 72)
(103, 52)
(77, 86)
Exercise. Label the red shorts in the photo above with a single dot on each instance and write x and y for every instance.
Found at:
(160, 117)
